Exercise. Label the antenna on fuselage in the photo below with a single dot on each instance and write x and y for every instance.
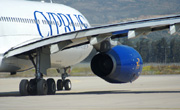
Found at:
(51, 1)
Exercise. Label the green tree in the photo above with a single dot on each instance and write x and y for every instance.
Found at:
(174, 50)
(153, 52)
(127, 41)
(162, 48)
(142, 46)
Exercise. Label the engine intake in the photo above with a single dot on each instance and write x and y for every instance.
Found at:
(121, 64)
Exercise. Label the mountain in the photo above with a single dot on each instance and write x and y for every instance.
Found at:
(100, 12)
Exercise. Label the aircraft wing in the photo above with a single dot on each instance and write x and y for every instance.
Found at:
(98, 34)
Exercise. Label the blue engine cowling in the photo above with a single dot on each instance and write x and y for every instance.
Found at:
(121, 64)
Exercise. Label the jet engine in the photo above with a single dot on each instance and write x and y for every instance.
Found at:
(121, 64)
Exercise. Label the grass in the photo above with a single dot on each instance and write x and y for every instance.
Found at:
(84, 70)
(75, 71)
(161, 69)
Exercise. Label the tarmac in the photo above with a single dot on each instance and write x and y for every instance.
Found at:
(92, 93)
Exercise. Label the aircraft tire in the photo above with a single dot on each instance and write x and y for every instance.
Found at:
(67, 84)
(42, 87)
(51, 86)
(59, 85)
(23, 87)
(32, 87)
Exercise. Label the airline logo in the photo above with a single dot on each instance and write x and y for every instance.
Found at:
(137, 63)
(56, 22)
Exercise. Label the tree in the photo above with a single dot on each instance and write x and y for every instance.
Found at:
(162, 49)
(175, 50)
(142, 46)
(128, 42)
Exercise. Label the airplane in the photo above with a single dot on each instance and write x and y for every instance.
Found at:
(48, 35)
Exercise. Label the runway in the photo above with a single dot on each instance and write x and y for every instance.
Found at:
(93, 93)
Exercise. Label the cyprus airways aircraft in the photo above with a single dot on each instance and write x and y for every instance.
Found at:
(47, 35)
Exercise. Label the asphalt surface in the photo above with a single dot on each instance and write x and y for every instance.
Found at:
(93, 93)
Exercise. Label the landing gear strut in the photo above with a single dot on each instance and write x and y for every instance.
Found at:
(64, 83)
(38, 86)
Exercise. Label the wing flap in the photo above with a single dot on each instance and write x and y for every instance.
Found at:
(138, 32)
(174, 28)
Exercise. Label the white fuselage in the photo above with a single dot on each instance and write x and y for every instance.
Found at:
(23, 22)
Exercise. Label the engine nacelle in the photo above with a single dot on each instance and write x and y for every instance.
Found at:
(121, 64)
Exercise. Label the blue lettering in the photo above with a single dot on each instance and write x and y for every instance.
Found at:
(78, 20)
(66, 27)
(38, 24)
(72, 23)
(80, 16)
(56, 23)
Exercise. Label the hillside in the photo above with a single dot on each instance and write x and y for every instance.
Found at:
(101, 12)
(109, 11)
